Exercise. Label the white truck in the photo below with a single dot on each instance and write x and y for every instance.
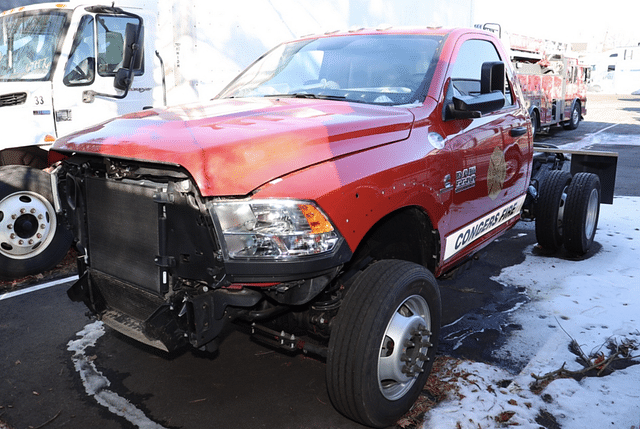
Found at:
(68, 66)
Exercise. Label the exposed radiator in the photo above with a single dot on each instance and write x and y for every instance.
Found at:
(123, 231)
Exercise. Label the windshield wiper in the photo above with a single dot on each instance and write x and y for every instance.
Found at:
(310, 95)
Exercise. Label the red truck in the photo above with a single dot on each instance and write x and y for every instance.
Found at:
(318, 198)
(554, 84)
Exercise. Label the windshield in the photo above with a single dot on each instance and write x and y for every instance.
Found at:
(376, 69)
(28, 44)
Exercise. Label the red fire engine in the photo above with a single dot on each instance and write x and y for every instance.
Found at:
(554, 84)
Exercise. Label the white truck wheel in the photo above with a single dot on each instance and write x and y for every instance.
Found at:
(31, 239)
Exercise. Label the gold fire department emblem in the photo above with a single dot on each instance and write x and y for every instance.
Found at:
(496, 174)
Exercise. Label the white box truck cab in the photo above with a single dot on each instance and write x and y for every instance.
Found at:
(63, 67)
(54, 60)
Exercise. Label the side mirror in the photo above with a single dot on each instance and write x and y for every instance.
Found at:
(474, 106)
(492, 77)
(122, 80)
(132, 53)
(133, 48)
(491, 97)
(132, 57)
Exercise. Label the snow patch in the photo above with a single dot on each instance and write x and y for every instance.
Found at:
(96, 384)
(592, 300)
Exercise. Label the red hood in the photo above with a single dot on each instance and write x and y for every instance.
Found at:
(232, 147)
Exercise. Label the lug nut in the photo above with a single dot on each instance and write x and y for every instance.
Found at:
(32, 211)
(20, 242)
(23, 211)
(12, 236)
(40, 217)
(39, 235)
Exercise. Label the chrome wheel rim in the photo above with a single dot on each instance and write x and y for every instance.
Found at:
(592, 214)
(27, 225)
(404, 347)
(575, 116)
(563, 201)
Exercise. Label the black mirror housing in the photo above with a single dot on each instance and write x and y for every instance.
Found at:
(122, 79)
(492, 77)
(475, 106)
(133, 46)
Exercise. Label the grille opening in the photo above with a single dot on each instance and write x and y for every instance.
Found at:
(13, 99)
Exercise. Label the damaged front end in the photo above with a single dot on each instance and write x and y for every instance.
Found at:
(167, 267)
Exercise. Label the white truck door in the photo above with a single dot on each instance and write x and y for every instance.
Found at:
(95, 56)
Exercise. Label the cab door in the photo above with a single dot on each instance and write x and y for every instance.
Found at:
(477, 150)
(94, 57)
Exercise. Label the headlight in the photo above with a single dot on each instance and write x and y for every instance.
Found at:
(274, 229)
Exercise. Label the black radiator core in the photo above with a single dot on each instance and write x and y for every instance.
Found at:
(123, 231)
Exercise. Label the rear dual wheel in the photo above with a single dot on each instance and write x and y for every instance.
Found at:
(567, 211)
(582, 213)
(550, 209)
(384, 342)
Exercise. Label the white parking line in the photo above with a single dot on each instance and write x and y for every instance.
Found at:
(604, 129)
(37, 287)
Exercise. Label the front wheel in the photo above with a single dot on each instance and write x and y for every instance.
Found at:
(574, 120)
(31, 238)
(384, 342)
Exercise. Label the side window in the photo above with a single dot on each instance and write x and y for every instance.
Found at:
(80, 68)
(111, 39)
(465, 75)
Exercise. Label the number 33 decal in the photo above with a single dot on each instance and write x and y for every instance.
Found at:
(39, 100)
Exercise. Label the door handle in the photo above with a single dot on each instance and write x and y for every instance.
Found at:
(517, 132)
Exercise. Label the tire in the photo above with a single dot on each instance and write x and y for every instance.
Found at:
(581, 213)
(391, 303)
(31, 238)
(574, 120)
(550, 209)
(535, 123)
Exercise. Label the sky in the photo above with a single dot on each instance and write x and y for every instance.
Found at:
(10, 4)
(614, 22)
